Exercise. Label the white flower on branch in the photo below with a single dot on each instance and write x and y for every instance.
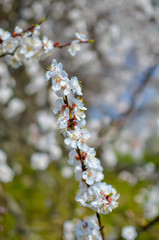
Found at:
(92, 175)
(74, 47)
(93, 193)
(81, 36)
(63, 119)
(104, 197)
(76, 88)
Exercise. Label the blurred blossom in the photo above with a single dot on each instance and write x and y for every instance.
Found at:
(151, 205)
(128, 177)
(109, 157)
(6, 173)
(44, 141)
(5, 94)
(68, 230)
(139, 198)
(67, 171)
(146, 171)
(129, 233)
(7, 83)
(40, 161)
(27, 13)
(15, 107)
(3, 157)
(46, 121)
(146, 6)
(75, 14)
(81, 36)
(37, 78)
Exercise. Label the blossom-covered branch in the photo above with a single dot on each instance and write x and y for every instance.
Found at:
(93, 193)
(26, 44)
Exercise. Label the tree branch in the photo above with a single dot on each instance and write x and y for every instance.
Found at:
(148, 225)
(100, 225)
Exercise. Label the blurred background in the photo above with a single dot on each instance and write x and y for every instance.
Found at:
(120, 79)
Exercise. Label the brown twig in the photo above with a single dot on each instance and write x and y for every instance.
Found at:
(57, 44)
(148, 225)
(81, 159)
(100, 225)
(8, 53)
(31, 29)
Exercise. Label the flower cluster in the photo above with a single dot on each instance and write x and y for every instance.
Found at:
(24, 45)
(75, 45)
(93, 193)
(87, 230)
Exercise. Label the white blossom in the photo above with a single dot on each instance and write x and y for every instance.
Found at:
(78, 113)
(99, 197)
(76, 102)
(104, 197)
(18, 29)
(73, 158)
(30, 47)
(92, 175)
(76, 88)
(63, 119)
(47, 44)
(59, 106)
(54, 69)
(74, 47)
(73, 137)
(81, 36)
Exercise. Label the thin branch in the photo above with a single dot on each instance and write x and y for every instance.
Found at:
(142, 229)
(148, 225)
(8, 53)
(57, 44)
(100, 225)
